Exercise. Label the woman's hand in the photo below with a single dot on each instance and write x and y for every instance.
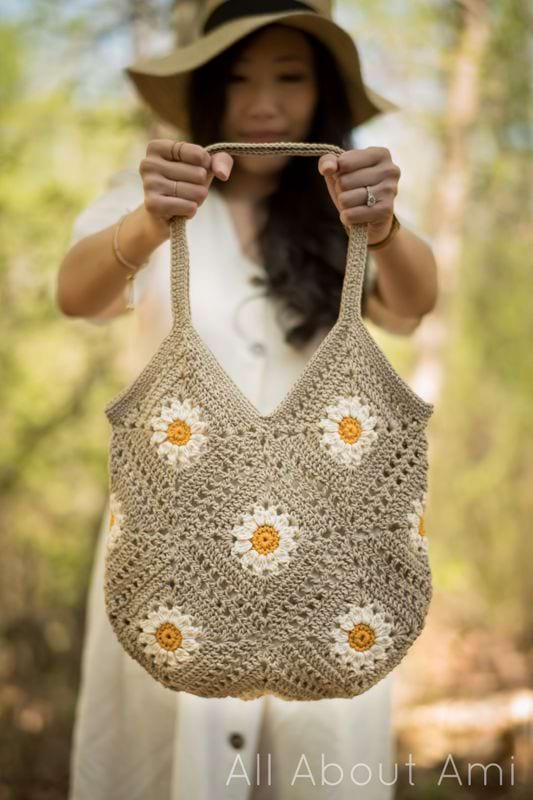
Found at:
(347, 176)
(178, 187)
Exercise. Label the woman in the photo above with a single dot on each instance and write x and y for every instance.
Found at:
(274, 223)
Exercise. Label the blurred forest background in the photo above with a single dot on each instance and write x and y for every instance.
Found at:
(460, 70)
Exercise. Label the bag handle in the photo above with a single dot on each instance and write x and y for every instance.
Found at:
(350, 305)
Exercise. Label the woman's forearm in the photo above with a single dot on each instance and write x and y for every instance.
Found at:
(406, 280)
(90, 277)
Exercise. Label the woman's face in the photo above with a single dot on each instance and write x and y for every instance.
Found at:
(271, 94)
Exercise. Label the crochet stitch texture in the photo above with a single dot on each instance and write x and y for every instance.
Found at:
(280, 553)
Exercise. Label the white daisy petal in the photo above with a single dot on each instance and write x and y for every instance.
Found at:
(179, 454)
(187, 635)
(366, 650)
(190, 644)
(260, 515)
(182, 621)
(117, 522)
(343, 446)
(159, 424)
(242, 546)
(181, 655)
(329, 425)
(272, 548)
(242, 534)
(417, 536)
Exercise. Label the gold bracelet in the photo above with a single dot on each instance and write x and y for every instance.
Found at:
(132, 268)
(394, 228)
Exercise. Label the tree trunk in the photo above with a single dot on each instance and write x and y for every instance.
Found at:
(451, 198)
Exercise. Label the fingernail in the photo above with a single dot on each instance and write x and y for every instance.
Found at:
(327, 166)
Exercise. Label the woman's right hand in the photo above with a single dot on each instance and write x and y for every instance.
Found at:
(176, 188)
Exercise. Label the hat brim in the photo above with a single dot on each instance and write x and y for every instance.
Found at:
(162, 82)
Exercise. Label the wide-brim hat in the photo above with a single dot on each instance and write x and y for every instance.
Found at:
(162, 82)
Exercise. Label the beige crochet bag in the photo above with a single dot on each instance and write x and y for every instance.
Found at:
(280, 553)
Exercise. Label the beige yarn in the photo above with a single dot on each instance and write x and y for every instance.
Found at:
(280, 553)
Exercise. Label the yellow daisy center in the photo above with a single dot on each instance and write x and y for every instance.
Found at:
(421, 527)
(111, 519)
(179, 432)
(350, 429)
(265, 539)
(168, 636)
(361, 637)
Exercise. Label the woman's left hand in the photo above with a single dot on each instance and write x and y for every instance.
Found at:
(347, 176)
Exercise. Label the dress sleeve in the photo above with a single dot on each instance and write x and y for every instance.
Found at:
(123, 193)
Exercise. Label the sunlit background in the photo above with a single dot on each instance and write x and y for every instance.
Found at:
(68, 120)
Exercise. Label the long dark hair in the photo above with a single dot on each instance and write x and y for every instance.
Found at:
(303, 242)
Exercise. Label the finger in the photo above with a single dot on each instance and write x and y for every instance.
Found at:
(368, 176)
(183, 189)
(168, 149)
(327, 164)
(172, 170)
(330, 183)
(167, 207)
(376, 214)
(359, 158)
(358, 197)
(221, 165)
(190, 153)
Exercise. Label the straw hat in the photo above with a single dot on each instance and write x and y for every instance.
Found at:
(162, 82)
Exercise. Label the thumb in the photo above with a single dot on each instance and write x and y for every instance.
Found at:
(327, 164)
(221, 165)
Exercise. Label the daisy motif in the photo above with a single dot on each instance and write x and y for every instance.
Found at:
(362, 638)
(116, 521)
(417, 528)
(169, 635)
(264, 540)
(348, 430)
(179, 432)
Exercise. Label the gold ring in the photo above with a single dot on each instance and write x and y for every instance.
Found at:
(177, 158)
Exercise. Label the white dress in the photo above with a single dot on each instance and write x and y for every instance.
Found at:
(134, 739)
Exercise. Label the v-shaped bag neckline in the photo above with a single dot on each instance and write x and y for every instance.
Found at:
(349, 312)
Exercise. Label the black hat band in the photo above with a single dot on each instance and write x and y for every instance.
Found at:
(233, 9)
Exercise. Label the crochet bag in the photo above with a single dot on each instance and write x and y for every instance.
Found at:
(280, 553)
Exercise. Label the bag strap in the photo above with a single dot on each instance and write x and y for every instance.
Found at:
(350, 305)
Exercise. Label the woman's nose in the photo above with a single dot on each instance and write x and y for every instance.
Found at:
(264, 99)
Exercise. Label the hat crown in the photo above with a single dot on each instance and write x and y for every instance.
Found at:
(320, 6)
(205, 28)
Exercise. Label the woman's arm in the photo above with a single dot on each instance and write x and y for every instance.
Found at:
(406, 283)
(406, 286)
(90, 281)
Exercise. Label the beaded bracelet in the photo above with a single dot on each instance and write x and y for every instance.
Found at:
(132, 268)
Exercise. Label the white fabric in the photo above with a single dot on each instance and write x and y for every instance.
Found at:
(137, 740)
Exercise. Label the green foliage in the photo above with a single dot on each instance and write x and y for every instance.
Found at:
(57, 150)
(481, 501)
(57, 374)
